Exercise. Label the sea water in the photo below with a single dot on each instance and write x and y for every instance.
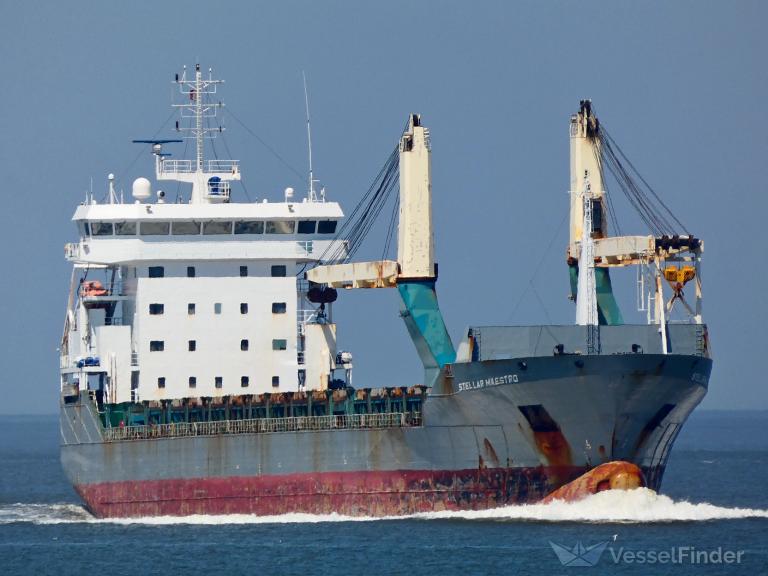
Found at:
(711, 518)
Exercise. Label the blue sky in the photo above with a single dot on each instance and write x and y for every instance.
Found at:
(682, 87)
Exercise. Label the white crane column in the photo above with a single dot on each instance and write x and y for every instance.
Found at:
(416, 243)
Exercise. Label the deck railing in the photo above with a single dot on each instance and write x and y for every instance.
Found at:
(263, 426)
(182, 166)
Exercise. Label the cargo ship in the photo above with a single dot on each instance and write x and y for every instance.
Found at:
(200, 371)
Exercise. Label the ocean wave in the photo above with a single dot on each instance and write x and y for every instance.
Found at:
(635, 506)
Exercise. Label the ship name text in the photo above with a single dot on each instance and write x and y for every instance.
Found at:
(488, 382)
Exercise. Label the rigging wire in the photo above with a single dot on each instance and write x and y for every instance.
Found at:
(245, 190)
(357, 225)
(391, 228)
(647, 203)
(285, 163)
(124, 173)
(539, 263)
(351, 234)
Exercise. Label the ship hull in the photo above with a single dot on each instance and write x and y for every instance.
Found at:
(363, 493)
(493, 434)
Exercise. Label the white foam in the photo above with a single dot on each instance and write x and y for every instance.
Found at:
(635, 506)
(44, 513)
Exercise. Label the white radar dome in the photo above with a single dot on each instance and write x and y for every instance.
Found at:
(142, 189)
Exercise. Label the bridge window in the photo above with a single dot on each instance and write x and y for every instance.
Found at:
(326, 227)
(244, 345)
(156, 271)
(219, 382)
(192, 382)
(278, 307)
(191, 309)
(217, 227)
(155, 228)
(161, 382)
(156, 345)
(156, 309)
(279, 344)
(249, 227)
(125, 228)
(190, 271)
(279, 271)
(243, 307)
(101, 228)
(217, 308)
(275, 381)
(192, 345)
(185, 228)
(244, 381)
(243, 271)
(280, 226)
(307, 226)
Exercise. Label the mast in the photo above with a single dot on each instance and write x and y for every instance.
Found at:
(312, 195)
(586, 301)
(210, 179)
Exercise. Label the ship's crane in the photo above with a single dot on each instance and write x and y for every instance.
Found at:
(415, 272)
(592, 150)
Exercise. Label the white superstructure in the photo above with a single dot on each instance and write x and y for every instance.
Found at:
(200, 299)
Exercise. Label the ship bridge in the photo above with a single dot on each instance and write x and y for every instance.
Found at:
(178, 301)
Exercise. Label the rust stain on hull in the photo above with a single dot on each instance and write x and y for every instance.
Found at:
(348, 493)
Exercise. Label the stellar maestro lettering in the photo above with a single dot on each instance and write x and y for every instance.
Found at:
(488, 382)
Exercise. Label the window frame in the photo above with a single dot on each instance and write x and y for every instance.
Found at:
(242, 227)
(279, 307)
(280, 227)
(160, 223)
(98, 225)
(210, 228)
(156, 309)
(126, 223)
(303, 224)
(276, 268)
(197, 227)
(326, 224)
(279, 344)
